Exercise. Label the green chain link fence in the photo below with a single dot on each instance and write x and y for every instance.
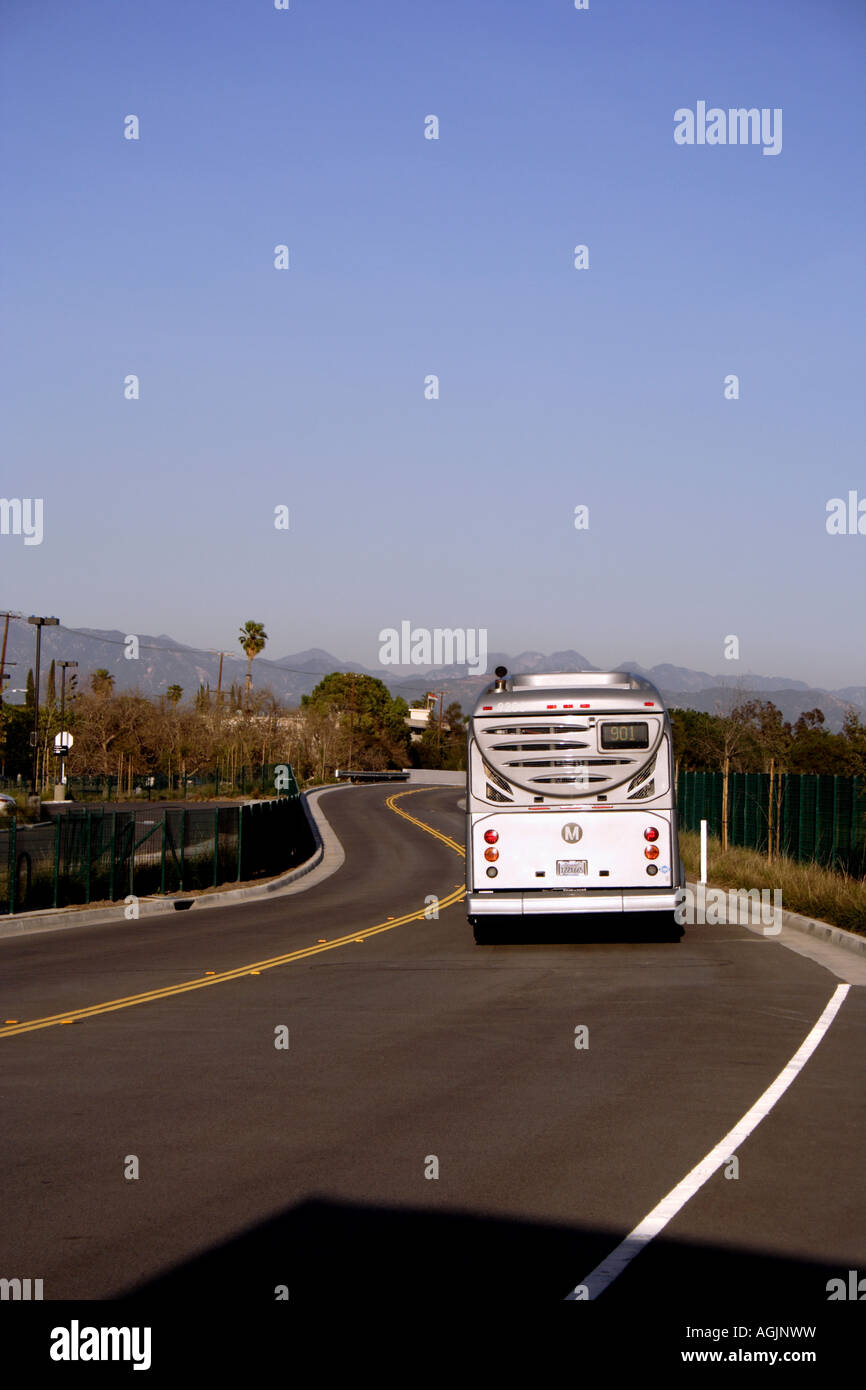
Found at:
(264, 778)
(815, 818)
(101, 855)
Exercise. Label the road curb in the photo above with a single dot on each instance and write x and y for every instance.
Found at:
(809, 926)
(824, 931)
(326, 858)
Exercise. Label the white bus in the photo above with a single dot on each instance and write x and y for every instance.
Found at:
(570, 798)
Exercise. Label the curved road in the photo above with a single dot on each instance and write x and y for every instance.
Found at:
(413, 1052)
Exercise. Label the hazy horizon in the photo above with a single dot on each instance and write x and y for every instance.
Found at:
(397, 672)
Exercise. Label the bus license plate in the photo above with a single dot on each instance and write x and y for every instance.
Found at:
(571, 866)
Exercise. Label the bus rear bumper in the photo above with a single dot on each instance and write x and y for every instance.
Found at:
(505, 904)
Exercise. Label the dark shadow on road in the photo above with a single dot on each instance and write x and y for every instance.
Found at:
(324, 1251)
(578, 928)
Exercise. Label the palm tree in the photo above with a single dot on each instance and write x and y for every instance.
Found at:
(174, 693)
(252, 639)
(102, 682)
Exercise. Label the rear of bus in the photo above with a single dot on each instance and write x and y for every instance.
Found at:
(570, 797)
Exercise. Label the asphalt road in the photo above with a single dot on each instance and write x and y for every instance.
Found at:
(411, 1050)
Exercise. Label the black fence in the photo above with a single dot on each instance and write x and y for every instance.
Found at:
(815, 818)
(266, 779)
(87, 856)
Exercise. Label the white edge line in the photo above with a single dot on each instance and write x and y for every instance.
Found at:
(656, 1220)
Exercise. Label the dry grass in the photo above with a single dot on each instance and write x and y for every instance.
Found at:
(809, 889)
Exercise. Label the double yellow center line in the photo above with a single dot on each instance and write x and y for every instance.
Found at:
(256, 967)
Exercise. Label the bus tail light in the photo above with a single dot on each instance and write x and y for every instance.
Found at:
(493, 854)
(652, 851)
(651, 833)
(491, 836)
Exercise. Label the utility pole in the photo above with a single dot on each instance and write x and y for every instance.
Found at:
(3, 662)
(219, 711)
(3, 678)
(441, 694)
(219, 689)
(39, 624)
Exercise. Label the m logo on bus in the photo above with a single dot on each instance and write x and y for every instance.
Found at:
(571, 833)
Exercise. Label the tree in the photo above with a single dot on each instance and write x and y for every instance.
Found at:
(853, 745)
(443, 746)
(368, 728)
(455, 748)
(102, 683)
(112, 731)
(813, 748)
(252, 639)
(697, 739)
(51, 688)
(723, 741)
(770, 738)
(317, 739)
(174, 694)
(17, 727)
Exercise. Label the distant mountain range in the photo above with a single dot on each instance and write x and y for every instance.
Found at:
(163, 661)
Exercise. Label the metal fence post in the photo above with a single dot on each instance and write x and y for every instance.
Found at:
(240, 811)
(87, 861)
(56, 860)
(162, 858)
(13, 855)
(112, 869)
(182, 847)
(216, 847)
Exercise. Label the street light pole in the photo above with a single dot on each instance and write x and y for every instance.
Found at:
(38, 623)
(63, 665)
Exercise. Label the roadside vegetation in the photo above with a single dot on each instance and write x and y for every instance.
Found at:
(753, 737)
(349, 720)
(808, 889)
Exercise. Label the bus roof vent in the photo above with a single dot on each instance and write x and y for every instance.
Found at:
(561, 680)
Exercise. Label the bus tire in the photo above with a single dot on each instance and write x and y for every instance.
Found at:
(665, 927)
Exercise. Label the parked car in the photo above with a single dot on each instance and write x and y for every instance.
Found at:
(8, 804)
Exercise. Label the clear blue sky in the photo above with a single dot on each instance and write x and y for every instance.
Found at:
(454, 257)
